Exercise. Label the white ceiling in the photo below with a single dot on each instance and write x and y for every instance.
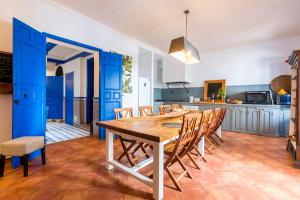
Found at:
(60, 52)
(213, 24)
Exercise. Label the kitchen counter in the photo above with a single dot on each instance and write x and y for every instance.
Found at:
(220, 103)
(259, 119)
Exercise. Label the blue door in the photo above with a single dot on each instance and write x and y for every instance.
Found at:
(110, 86)
(29, 90)
(54, 96)
(90, 90)
(69, 100)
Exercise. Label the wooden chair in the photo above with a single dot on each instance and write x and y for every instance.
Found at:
(145, 111)
(165, 108)
(174, 149)
(128, 144)
(213, 127)
(175, 106)
(201, 130)
(221, 119)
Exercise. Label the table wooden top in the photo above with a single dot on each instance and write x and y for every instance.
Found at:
(150, 128)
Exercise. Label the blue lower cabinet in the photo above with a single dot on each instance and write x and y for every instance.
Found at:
(284, 122)
(252, 123)
(269, 121)
(272, 120)
(238, 116)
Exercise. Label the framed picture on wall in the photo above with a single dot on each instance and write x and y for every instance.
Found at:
(214, 90)
(127, 74)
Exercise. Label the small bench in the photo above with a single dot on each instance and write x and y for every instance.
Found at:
(22, 147)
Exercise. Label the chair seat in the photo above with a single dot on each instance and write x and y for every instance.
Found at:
(22, 146)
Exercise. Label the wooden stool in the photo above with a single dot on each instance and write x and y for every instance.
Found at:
(22, 147)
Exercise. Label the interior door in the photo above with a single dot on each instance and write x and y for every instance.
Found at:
(54, 96)
(90, 90)
(110, 86)
(29, 74)
(69, 100)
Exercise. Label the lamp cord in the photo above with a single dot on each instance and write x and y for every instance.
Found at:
(186, 12)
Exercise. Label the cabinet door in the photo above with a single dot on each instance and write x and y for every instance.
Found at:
(227, 122)
(205, 107)
(252, 124)
(269, 121)
(284, 122)
(239, 119)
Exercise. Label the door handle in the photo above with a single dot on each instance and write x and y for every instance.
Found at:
(16, 101)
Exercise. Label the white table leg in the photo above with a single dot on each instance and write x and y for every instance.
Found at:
(109, 148)
(219, 132)
(158, 171)
(202, 146)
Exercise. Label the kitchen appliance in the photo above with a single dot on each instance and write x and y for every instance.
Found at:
(258, 97)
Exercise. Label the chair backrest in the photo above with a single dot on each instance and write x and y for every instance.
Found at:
(215, 121)
(123, 113)
(165, 108)
(187, 133)
(175, 106)
(221, 117)
(203, 127)
(145, 110)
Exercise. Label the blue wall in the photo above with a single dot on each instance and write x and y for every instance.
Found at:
(180, 94)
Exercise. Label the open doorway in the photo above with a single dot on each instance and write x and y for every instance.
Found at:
(69, 91)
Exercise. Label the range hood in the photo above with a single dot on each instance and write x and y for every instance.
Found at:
(176, 84)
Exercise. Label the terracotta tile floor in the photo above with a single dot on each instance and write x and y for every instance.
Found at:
(244, 167)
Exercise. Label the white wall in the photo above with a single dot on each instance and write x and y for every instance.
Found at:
(145, 64)
(5, 99)
(50, 69)
(256, 64)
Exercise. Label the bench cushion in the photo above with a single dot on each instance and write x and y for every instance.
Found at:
(22, 145)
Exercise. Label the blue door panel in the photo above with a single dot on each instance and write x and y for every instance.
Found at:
(54, 96)
(69, 100)
(90, 90)
(29, 72)
(110, 86)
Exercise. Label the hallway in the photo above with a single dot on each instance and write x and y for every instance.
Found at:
(58, 132)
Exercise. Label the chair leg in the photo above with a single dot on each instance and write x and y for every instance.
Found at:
(144, 150)
(219, 137)
(131, 162)
(43, 152)
(184, 167)
(25, 161)
(199, 154)
(123, 154)
(215, 140)
(171, 175)
(193, 161)
(2, 164)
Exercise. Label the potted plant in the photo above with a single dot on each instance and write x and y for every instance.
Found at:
(221, 94)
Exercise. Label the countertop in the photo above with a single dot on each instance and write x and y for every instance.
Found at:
(221, 103)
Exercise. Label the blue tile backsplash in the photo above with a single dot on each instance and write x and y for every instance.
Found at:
(181, 94)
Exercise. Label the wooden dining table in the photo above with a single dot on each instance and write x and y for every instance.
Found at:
(154, 130)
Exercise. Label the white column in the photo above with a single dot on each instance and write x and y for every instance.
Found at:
(202, 146)
(158, 171)
(109, 148)
(219, 132)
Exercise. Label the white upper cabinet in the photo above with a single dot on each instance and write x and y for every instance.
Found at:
(175, 71)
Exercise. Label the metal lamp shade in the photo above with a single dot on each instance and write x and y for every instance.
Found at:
(184, 51)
